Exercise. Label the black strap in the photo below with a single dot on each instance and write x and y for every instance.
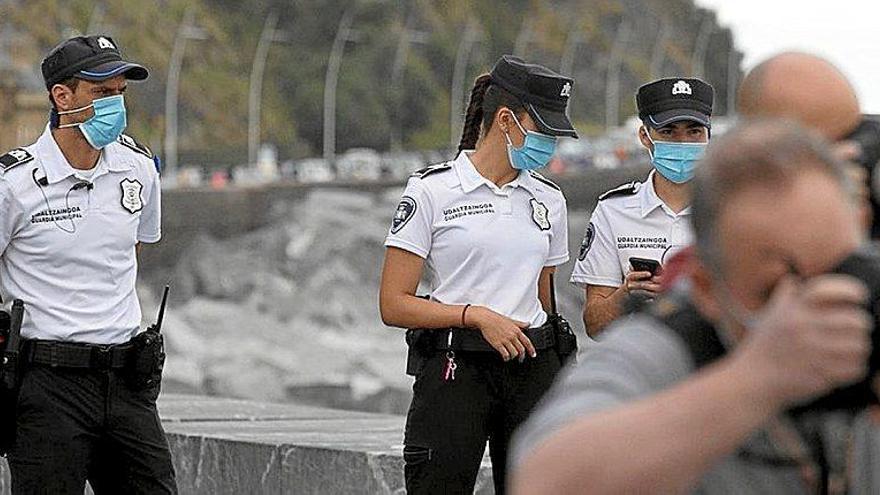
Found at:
(76, 355)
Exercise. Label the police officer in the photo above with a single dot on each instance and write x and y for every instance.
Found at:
(648, 221)
(76, 205)
(488, 231)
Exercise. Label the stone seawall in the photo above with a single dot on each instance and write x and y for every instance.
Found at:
(227, 446)
(190, 213)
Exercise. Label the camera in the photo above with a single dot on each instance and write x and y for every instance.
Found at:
(864, 265)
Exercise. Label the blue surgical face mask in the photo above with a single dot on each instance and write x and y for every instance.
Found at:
(535, 152)
(676, 161)
(106, 125)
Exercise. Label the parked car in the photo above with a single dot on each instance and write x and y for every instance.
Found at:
(359, 164)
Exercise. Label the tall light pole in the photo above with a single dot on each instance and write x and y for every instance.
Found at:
(408, 36)
(255, 86)
(732, 73)
(659, 55)
(96, 20)
(612, 78)
(524, 37)
(698, 58)
(343, 34)
(459, 71)
(572, 41)
(185, 32)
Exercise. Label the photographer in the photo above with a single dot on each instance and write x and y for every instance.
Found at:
(714, 389)
(811, 91)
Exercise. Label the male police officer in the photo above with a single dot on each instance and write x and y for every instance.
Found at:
(75, 206)
(648, 220)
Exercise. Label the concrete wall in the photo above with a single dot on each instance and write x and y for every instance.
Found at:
(188, 213)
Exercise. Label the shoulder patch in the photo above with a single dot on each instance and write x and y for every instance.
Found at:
(544, 180)
(432, 169)
(14, 158)
(133, 145)
(624, 190)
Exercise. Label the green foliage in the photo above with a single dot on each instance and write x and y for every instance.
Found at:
(370, 108)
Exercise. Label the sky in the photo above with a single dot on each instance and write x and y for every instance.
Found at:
(846, 32)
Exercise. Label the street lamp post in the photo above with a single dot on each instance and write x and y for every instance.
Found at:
(343, 34)
(408, 36)
(701, 46)
(612, 81)
(255, 86)
(572, 41)
(524, 37)
(659, 55)
(471, 35)
(185, 32)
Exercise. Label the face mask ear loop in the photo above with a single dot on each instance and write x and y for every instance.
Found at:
(68, 112)
(648, 135)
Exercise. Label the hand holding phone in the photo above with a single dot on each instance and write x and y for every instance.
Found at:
(645, 265)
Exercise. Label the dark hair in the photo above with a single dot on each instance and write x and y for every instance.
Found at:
(765, 153)
(486, 99)
(70, 82)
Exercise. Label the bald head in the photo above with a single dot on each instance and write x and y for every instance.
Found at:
(804, 88)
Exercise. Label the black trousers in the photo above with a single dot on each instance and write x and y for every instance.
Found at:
(449, 422)
(75, 425)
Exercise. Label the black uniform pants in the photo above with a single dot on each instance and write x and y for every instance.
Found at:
(74, 425)
(449, 422)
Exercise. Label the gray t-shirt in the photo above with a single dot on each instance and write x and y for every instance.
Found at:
(638, 357)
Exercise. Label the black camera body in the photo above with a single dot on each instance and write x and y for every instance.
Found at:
(865, 266)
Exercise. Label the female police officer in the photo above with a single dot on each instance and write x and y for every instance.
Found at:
(490, 231)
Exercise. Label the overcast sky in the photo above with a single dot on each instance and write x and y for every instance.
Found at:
(847, 32)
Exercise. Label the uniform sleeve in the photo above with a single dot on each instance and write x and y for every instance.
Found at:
(10, 215)
(150, 226)
(412, 220)
(634, 359)
(559, 235)
(598, 262)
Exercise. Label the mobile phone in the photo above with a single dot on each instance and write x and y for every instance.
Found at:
(644, 265)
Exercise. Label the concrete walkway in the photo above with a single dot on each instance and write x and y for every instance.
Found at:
(227, 446)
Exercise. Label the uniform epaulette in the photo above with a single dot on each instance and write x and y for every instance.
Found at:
(14, 158)
(135, 146)
(542, 179)
(432, 169)
(624, 190)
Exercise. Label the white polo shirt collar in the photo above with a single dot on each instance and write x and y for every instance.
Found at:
(56, 166)
(471, 179)
(650, 201)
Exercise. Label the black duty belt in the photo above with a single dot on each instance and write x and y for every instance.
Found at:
(471, 340)
(77, 355)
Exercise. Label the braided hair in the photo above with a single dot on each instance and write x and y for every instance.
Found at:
(486, 98)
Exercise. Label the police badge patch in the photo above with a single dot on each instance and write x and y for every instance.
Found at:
(540, 214)
(404, 212)
(589, 235)
(131, 195)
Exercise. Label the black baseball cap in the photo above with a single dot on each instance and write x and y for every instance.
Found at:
(665, 101)
(544, 93)
(93, 58)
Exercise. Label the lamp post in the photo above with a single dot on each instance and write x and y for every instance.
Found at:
(185, 32)
(343, 34)
(659, 54)
(612, 81)
(408, 35)
(702, 44)
(255, 86)
(462, 55)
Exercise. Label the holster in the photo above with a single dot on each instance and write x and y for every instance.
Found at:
(566, 340)
(9, 375)
(147, 360)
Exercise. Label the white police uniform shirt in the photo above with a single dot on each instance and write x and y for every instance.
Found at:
(629, 221)
(483, 245)
(67, 245)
